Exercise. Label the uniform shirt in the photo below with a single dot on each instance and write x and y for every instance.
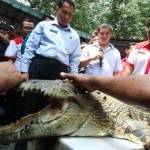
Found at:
(14, 51)
(110, 63)
(48, 39)
(139, 58)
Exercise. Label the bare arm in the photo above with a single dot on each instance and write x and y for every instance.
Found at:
(130, 89)
(85, 61)
(128, 70)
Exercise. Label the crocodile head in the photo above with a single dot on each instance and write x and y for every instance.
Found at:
(68, 108)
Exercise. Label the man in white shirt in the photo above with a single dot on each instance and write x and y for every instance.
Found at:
(53, 46)
(101, 58)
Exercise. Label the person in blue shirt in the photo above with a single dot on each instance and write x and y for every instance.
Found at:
(53, 46)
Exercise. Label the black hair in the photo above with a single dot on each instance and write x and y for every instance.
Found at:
(51, 17)
(105, 25)
(132, 44)
(61, 2)
(148, 24)
(5, 26)
(28, 20)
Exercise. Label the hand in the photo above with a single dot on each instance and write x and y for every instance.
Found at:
(99, 55)
(25, 74)
(80, 79)
(9, 76)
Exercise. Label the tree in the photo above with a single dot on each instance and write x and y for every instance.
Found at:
(128, 17)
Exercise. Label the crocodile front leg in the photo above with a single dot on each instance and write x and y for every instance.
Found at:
(135, 131)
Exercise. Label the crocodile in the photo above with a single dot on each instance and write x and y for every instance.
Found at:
(73, 111)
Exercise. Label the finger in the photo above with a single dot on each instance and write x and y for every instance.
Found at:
(67, 75)
(63, 74)
(24, 76)
(16, 79)
(98, 57)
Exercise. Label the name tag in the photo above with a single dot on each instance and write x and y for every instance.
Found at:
(141, 52)
(54, 31)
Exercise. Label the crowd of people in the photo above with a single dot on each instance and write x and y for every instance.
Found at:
(55, 45)
(52, 50)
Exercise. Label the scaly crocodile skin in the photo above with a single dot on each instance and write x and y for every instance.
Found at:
(74, 112)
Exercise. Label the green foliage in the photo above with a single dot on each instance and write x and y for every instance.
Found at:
(128, 17)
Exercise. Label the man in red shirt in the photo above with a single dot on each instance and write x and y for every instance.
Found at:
(138, 61)
(13, 51)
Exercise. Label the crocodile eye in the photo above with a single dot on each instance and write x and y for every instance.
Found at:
(104, 97)
(34, 81)
(98, 92)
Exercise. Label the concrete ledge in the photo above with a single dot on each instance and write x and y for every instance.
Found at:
(106, 143)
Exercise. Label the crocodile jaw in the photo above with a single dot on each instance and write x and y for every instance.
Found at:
(60, 117)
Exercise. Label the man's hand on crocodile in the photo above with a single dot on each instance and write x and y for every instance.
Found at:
(9, 77)
(81, 80)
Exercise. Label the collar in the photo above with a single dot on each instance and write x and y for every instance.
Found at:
(124, 59)
(55, 23)
(109, 47)
(145, 44)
